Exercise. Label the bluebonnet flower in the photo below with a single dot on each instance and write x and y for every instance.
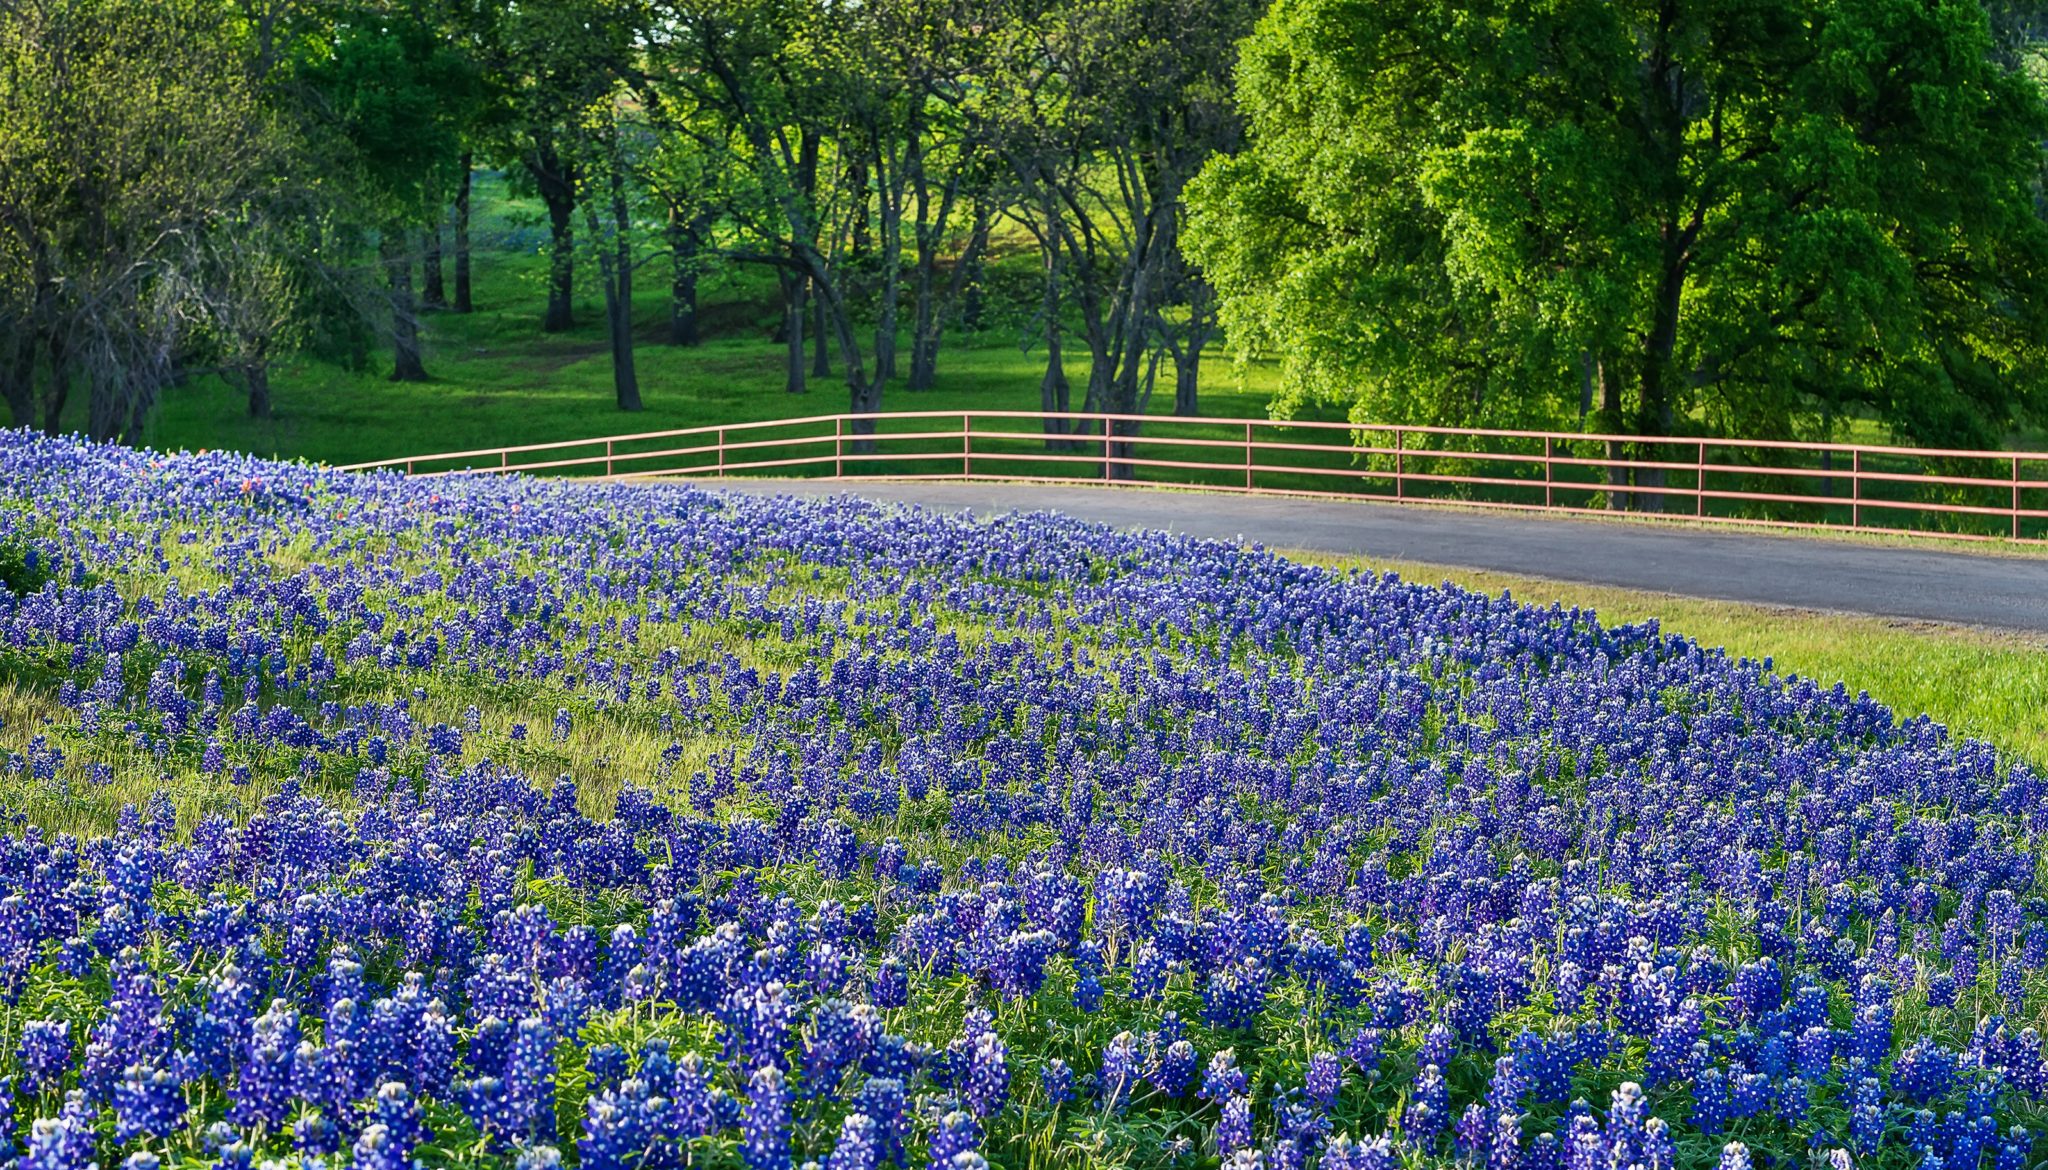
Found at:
(956, 1134)
(987, 1083)
(1233, 998)
(1223, 1079)
(63, 1142)
(883, 1100)
(1120, 1069)
(1924, 1071)
(1363, 1050)
(148, 1102)
(1173, 1066)
(316, 1134)
(1056, 1081)
(859, 1145)
(399, 1113)
(1429, 1107)
(1323, 1079)
(1234, 1125)
(1342, 1153)
(44, 1053)
(767, 1121)
(622, 1126)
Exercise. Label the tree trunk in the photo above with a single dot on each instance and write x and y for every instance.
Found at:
(406, 365)
(929, 234)
(1103, 350)
(973, 298)
(1618, 500)
(860, 239)
(60, 387)
(890, 271)
(1655, 408)
(1187, 368)
(561, 313)
(557, 183)
(793, 332)
(432, 293)
(17, 381)
(934, 306)
(1193, 339)
(890, 278)
(924, 339)
(256, 376)
(615, 272)
(142, 395)
(864, 396)
(1585, 385)
(683, 242)
(821, 349)
(463, 303)
(1053, 389)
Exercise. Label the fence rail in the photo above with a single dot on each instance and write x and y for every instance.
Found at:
(1962, 494)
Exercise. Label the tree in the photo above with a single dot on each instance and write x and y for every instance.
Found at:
(1669, 214)
(685, 169)
(772, 76)
(388, 97)
(1117, 109)
(606, 169)
(130, 137)
(551, 59)
(251, 305)
(465, 173)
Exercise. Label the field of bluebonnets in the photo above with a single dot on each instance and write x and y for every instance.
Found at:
(358, 821)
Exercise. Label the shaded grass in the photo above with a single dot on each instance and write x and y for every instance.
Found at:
(1986, 684)
(497, 379)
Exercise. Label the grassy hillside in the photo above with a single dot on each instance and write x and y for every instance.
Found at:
(497, 379)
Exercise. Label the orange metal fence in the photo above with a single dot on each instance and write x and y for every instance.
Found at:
(1963, 494)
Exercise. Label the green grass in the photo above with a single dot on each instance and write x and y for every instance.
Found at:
(1984, 684)
(497, 379)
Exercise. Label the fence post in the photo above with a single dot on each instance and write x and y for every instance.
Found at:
(1856, 489)
(966, 445)
(721, 452)
(839, 446)
(1699, 482)
(608, 458)
(1247, 456)
(1107, 426)
(1400, 468)
(408, 467)
(504, 460)
(1548, 452)
(2015, 497)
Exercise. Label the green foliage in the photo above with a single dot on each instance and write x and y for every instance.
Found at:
(1747, 215)
(391, 95)
(24, 567)
(129, 133)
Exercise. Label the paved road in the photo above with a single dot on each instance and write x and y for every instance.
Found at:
(2005, 592)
